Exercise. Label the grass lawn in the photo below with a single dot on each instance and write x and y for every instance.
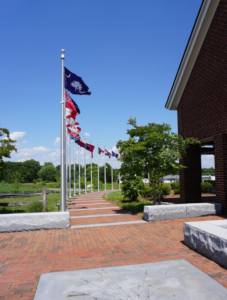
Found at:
(51, 204)
(134, 207)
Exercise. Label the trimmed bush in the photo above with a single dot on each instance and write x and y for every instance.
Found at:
(35, 206)
(165, 190)
(135, 207)
(206, 186)
(175, 185)
(177, 191)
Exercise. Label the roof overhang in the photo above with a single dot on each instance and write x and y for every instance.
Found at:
(199, 31)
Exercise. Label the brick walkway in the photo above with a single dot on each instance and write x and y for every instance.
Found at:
(24, 256)
(92, 209)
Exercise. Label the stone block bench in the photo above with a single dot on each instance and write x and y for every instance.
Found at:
(34, 221)
(209, 238)
(180, 211)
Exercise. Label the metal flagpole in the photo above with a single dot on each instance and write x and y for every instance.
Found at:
(98, 166)
(63, 137)
(105, 167)
(67, 163)
(119, 176)
(85, 175)
(111, 168)
(70, 194)
(79, 171)
(74, 174)
(91, 168)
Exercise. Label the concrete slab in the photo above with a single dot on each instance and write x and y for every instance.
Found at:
(169, 280)
(180, 211)
(203, 209)
(164, 212)
(208, 238)
(34, 221)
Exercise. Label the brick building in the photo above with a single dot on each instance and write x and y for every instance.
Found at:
(199, 94)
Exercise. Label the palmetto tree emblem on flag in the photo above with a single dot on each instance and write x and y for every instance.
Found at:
(77, 86)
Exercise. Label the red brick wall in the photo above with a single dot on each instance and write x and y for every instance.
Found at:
(202, 111)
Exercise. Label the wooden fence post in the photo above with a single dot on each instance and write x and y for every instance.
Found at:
(45, 199)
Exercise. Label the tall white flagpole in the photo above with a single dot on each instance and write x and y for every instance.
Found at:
(74, 174)
(111, 168)
(85, 174)
(63, 137)
(91, 168)
(98, 166)
(70, 193)
(105, 167)
(67, 164)
(79, 171)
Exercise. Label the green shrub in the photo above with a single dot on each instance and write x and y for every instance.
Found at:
(175, 185)
(39, 179)
(177, 191)
(146, 192)
(165, 190)
(205, 186)
(130, 188)
(35, 206)
(135, 207)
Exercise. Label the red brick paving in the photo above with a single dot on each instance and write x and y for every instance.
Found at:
(24, 256)
(98, 220)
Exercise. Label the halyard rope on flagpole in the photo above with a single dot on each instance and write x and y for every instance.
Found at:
(63, 137)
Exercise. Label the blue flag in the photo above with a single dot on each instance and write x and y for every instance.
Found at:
(114, 154)
(75, 84)
(75, 139)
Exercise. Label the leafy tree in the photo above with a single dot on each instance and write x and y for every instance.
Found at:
(48, 172)
(16, 180)
(6, 148)
(153, 149)
(32, 168)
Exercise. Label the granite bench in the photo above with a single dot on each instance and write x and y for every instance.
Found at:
(34, 221)
(180, 211)
(209, 238)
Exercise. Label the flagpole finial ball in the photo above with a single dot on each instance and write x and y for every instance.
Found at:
(62, 51)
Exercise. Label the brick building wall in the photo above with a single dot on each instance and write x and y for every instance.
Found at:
(202, 111)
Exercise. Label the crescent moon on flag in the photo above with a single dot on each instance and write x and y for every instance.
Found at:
(68, 76)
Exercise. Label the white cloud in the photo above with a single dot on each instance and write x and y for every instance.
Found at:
(55, 154)
(87, 134)
(17, 135)
(25, 152)
(21, 160)
(57, 141)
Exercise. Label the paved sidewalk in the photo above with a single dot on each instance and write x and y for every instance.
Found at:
(24, 256)
(100, 211)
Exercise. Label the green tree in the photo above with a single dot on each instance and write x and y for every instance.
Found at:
(48, 172)
(153, 149)
(16, 180)
(6, 148)
(32, 168)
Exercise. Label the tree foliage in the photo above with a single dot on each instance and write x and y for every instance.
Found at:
(48, 172)
(6, 148)
(153, 149)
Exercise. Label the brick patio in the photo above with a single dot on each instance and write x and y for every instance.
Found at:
(26, 255)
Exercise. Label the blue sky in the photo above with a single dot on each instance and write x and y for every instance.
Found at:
(127, 52)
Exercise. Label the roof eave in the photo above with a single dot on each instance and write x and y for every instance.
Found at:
(198, 34)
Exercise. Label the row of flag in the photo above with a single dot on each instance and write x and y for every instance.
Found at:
(76, 85)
